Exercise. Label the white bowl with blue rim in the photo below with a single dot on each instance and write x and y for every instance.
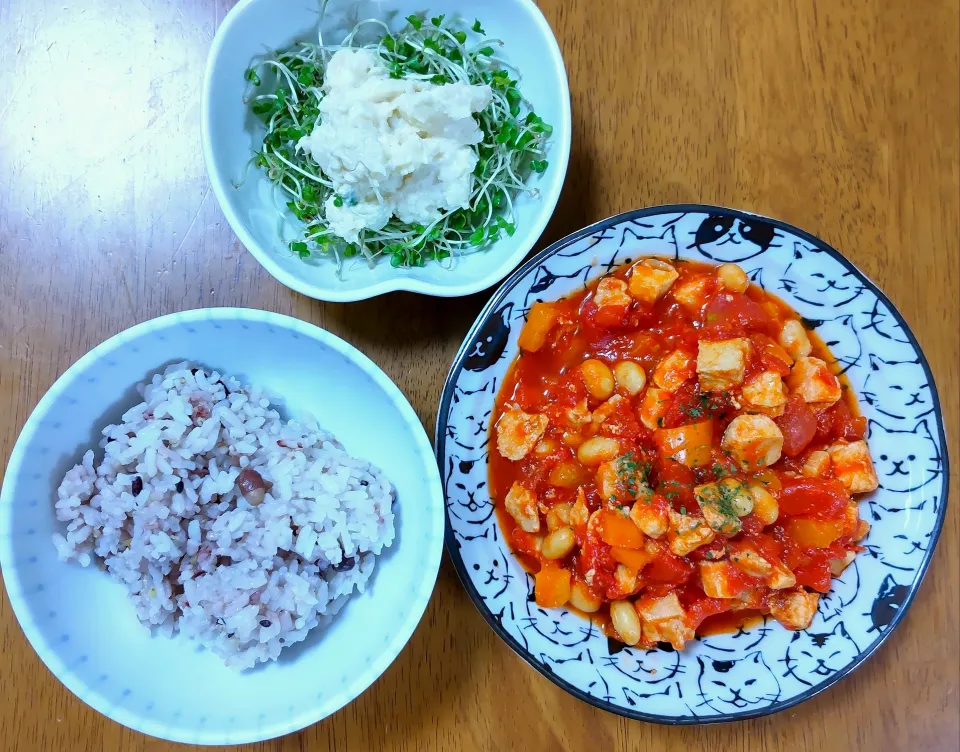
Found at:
(78, 619)
(231, 136)
(757, 671)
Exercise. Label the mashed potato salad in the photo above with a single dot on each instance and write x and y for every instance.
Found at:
(412, 148)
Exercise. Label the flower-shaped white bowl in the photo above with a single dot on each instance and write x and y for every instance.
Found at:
(78, 620)
(755, 671)
(231, 135)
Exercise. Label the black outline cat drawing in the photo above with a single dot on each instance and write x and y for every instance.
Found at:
(490, 342)
(724, 238)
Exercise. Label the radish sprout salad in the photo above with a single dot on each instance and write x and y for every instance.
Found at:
(410, 149)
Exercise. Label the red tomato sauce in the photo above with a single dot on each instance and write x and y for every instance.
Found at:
(665, 467)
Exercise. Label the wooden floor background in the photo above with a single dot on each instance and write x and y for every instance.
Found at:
(839, 116)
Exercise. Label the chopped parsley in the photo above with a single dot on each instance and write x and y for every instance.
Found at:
(629, 469)
(632, 476)
(720, 498)
(704, 406)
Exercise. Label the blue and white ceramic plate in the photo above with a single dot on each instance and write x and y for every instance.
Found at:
(767, 668)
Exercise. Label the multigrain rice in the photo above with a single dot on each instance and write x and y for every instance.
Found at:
(224, 522)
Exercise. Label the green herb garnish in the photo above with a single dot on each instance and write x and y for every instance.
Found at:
(633, 476)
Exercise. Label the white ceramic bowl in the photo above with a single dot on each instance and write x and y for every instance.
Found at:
(79, 621)
(231, 135)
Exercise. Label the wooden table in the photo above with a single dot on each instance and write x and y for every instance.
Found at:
(840, 116)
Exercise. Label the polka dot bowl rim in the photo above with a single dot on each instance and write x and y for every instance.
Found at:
(474, 343)
(327, 702)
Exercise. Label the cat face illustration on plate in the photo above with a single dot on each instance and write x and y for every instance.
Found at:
(816, 653)
(725, 238)
(490, 342)
(729, 682)
(901, 466)
(890, 597)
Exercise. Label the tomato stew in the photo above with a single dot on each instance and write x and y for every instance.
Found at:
(675, 453)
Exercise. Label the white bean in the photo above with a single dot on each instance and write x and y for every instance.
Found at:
(630, 376)
(733, 277)
(625, 621)
(583, 600)
(598, 378)
(558, 544)
(598, 450)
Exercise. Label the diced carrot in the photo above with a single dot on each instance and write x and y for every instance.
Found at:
(616, 530)
(632, 557)
(689, 445)
(552, 587)
(540, 321)
(813, 533)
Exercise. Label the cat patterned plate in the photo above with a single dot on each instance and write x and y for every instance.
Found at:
(753, 671)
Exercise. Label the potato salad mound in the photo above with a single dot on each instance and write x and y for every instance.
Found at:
(393, 147)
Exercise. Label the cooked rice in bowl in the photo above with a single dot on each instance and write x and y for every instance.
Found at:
(223, 521)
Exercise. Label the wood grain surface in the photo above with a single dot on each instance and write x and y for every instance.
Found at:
(840, 116)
